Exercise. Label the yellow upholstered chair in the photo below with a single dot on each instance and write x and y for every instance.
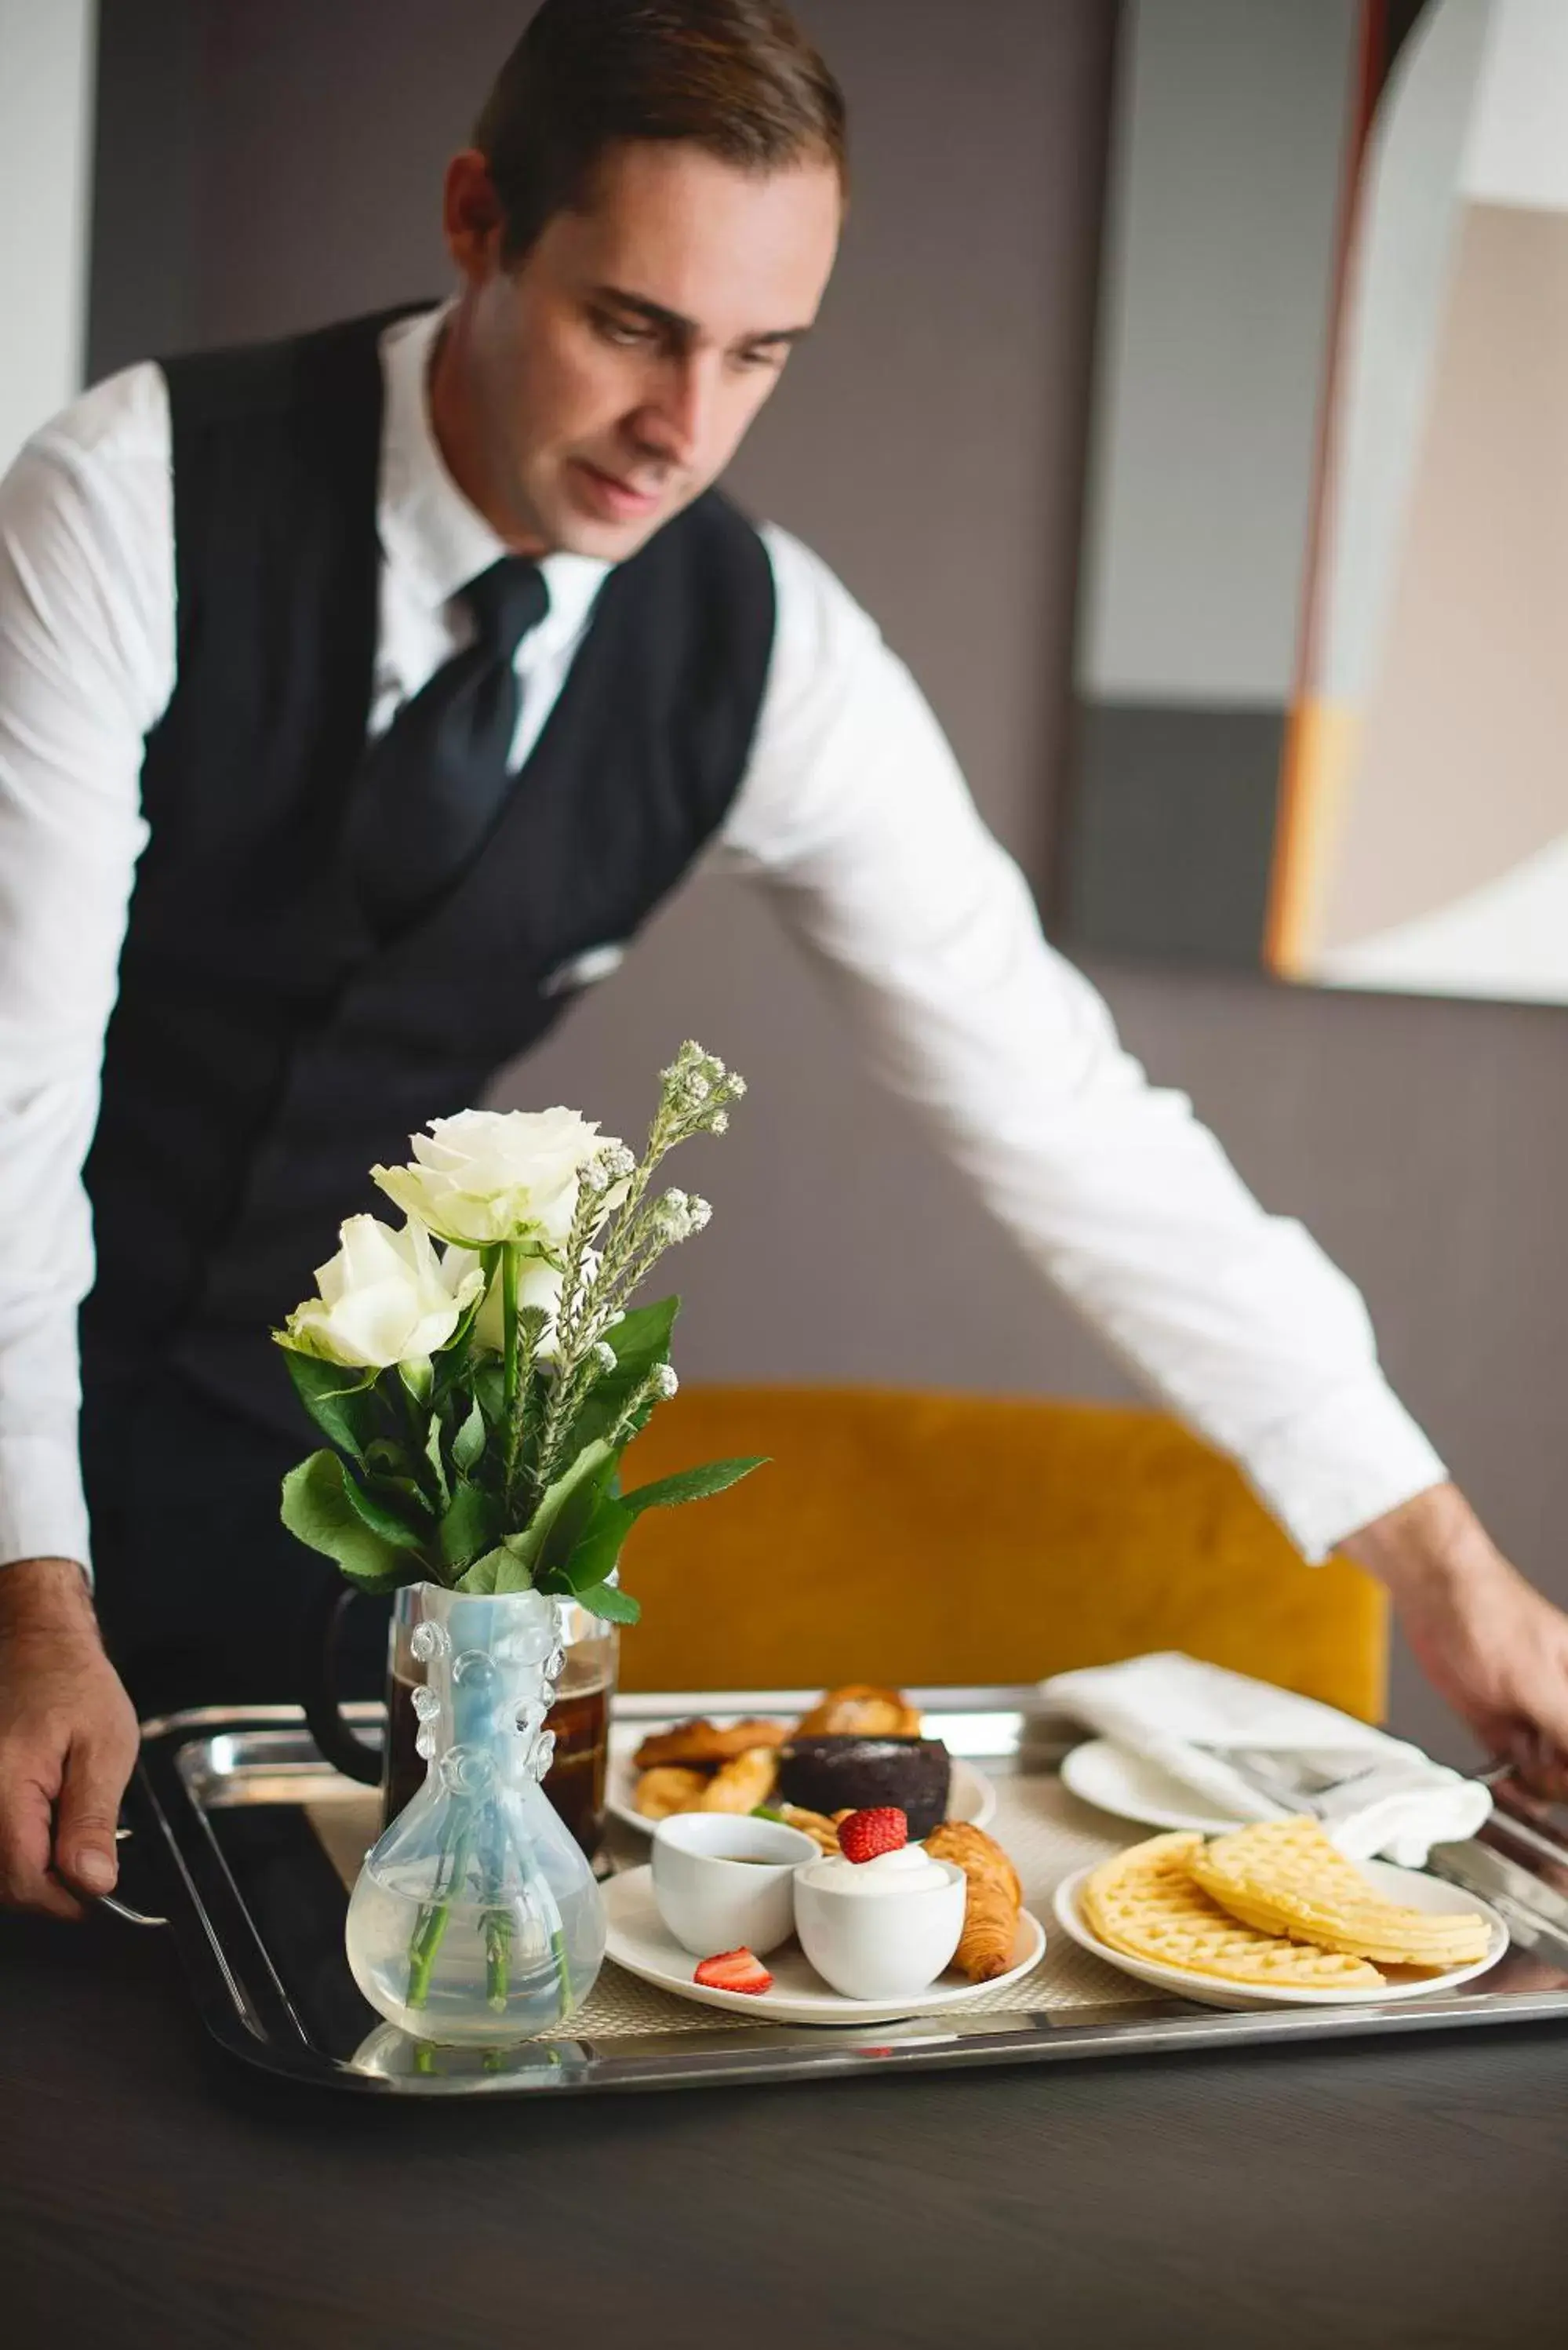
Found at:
(923, 1538)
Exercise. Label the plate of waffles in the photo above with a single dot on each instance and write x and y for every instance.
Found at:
(1273, 1916)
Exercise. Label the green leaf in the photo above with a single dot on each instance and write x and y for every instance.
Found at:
(340, 1401)
(609, 1601)
(469, 1526)
(468, 1444)
(692, 1484)
(639, 1340)
(642, 1337)
(382, 1517)
(490, 1387)
(570, 1522)
(498, 1570)
(594, 1557)
(592, 1467)
(317, 1510)
(433, 1455)
(419, 1377)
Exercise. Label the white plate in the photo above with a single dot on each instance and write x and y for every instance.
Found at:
(971, 1796)
(640, 1941)
(1406, 1884)
(1115, 1780)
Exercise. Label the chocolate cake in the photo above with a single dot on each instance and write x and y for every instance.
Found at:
(835, 1774)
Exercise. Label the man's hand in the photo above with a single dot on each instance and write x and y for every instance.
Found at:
(1486, 1639)
(68, 1741)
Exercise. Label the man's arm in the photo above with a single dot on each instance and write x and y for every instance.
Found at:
(1488, 1642)
(68, 1740)
(85, 665)
(854, 815)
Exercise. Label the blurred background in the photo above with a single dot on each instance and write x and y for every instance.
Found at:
(241, 168)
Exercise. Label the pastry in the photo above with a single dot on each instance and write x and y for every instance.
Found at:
(855, 1774)
(825, 1832)
(661, 1792)
(994, 1897)
(744, 1783)
(702, 1742)
(858, 1710)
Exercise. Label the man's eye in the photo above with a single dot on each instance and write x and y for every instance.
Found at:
(768, 356)
(616, 331)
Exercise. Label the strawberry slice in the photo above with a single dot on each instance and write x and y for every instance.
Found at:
(734, 1970)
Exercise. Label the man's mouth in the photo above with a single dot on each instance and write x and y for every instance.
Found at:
(615, 498)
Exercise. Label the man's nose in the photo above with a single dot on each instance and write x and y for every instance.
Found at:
(677, 421)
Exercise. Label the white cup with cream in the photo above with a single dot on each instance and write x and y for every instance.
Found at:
(881, 1928)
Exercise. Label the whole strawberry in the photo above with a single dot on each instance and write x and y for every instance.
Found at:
(864, 1835)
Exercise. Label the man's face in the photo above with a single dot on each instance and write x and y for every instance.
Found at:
(610, 375)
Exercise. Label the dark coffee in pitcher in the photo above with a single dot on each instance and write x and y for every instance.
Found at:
(579, 1719)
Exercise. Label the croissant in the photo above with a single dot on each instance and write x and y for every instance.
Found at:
(744, 1783)
(666, 1790)
(857, 1711)
(700, 1744)
(993, 1900)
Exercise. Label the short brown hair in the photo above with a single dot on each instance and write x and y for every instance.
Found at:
(737, 77)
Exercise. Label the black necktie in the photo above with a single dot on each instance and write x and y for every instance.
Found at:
(430, 790)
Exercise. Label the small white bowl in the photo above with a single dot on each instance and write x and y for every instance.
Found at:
(884, 1945)
(723, 1882)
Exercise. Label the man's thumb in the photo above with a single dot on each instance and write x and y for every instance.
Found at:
(85, 1819)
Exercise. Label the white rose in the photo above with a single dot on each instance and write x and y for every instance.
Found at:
(384, 1299)
(538, 1284)
(496, 1175)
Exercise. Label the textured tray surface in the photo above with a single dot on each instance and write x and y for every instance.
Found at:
(1048, 1833)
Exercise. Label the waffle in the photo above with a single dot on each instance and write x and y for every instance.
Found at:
(1145, 1903)
(1285, 1877)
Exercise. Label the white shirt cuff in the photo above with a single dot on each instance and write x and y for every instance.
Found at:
(1353, 1458)
(43, 1512)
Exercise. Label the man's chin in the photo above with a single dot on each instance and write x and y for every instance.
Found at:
(573, 533)
(593, 515)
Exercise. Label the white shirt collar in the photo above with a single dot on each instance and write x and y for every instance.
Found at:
(430, 533)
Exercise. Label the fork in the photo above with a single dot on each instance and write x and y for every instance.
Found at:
(1262, 1771)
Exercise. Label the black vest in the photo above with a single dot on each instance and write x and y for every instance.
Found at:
(264, 1053)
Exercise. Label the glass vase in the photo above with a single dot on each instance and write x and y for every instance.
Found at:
(578, 1720)
(476, 1919)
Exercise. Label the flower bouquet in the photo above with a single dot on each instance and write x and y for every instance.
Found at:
(478, 1376)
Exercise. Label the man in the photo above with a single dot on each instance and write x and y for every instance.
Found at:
(408, 665)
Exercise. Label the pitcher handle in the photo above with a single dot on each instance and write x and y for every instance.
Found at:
(340, 1745)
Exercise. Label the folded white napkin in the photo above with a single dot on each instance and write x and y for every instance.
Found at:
(1184, 1715)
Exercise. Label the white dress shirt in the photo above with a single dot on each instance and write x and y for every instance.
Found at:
(854, 817)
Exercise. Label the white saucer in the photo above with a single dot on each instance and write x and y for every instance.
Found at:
(642, 1943)
(1130, 1787)
(971, 1796)
(1409, 1886)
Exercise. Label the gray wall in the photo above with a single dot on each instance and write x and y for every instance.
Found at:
(929, 444)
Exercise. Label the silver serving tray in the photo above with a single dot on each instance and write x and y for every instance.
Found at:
(222, 1838)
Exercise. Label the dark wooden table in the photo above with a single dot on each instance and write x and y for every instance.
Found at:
(151, 2192)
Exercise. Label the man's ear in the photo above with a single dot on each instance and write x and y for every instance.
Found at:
(471, 216)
